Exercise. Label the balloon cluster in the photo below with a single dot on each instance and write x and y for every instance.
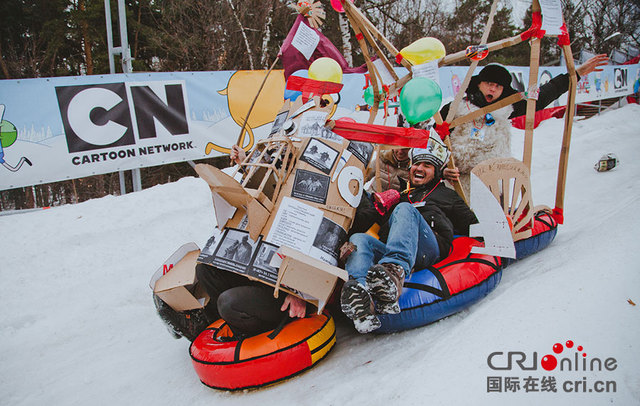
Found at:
(421, 97)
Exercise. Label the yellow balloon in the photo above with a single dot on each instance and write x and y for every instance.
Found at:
(326, 70)
(423, 50)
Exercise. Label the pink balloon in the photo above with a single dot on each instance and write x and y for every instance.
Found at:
(337, 6)
(346, 120)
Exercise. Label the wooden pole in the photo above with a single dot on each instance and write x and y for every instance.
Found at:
(485, 35)
(568, 124)
(534, 63)
(240, 140)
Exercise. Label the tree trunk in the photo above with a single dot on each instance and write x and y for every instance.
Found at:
(88, 58)
(346, 38)
(3, 64)
(267, 36)
(244, 34)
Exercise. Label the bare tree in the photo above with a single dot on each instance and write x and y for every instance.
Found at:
(243, 31)
(607, 17)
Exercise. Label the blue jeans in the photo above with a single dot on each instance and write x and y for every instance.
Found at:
(411, 243)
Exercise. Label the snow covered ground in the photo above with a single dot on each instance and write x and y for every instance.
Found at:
(78, 326)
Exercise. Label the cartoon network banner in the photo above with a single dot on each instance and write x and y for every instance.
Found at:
(55, 129)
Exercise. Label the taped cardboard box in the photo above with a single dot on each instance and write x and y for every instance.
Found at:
(175, 281)
(309, 275)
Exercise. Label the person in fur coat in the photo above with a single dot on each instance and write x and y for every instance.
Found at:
(394, 170)
(490, 136)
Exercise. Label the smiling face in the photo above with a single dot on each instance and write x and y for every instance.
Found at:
(490, 90)
(401, 154)
(421, 173)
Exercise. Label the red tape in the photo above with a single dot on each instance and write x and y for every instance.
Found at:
(442, 130)
(312, 86)
(558, 215)
(399, 58)
(534, 31)
(563, 39)
(359, 36)
(380, 134)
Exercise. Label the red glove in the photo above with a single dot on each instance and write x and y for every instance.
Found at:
(442, 130)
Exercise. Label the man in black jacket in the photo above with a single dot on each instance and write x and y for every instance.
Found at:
(416, 230)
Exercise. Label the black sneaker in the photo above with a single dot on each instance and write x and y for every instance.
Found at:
(188, 324)
(387, 307)
(384, 281)
(357, 305)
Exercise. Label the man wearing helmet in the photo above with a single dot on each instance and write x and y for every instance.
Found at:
(416, 230)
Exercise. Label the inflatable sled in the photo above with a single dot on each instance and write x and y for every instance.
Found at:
(445, 288)
(543, 231)
(223, 362)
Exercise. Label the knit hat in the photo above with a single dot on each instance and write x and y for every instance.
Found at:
(495, 73)
(436, 154)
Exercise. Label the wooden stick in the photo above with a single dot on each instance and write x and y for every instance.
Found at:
(516, 97)
(493, 46)
(240, 140)
(460, 56)
(453, 108)
(378, 180)
(534, 63)
(456, 102)
(568, 124)
(353, 19)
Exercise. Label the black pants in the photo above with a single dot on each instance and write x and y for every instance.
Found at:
(247, 306)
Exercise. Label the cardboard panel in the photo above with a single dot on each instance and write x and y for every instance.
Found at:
(178, 286)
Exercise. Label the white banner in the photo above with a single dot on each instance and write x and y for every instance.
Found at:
(54, 129)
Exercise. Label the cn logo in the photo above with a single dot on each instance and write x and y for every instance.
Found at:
(619, 78)
(103, 115)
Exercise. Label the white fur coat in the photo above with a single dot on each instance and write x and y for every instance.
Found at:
(475, 141)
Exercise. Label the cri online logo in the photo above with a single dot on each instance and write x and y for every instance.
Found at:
(550, 362)
(578, 362)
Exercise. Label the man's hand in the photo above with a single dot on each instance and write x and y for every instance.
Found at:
(451, 174)
(237, 154)
(593, 65)
(297, 307)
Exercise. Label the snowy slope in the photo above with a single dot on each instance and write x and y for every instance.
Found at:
(78, 326)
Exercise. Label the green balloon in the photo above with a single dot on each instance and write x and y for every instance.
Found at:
(8, 134)
(420, 99)
(368, 95)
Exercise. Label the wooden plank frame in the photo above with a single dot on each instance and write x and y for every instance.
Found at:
(277, 169)
(370, 33)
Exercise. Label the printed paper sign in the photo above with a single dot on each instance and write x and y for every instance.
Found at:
(386, 77)
(427, 70)
(551, 16)
(306, 40)
(295, 225)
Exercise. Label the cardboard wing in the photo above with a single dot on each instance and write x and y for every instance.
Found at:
(308, 275)
(175, 282)
(235, 195)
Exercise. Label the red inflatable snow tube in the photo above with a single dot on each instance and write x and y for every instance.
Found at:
(224, 363)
